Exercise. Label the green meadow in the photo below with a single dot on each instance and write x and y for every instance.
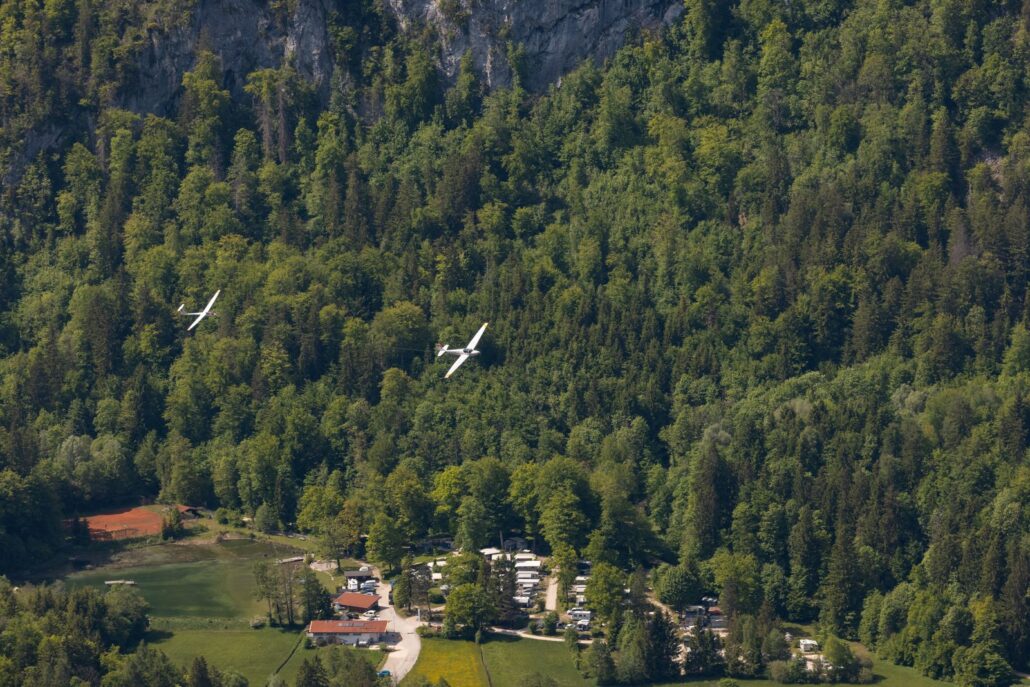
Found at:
(190, 581)
(504, 661)
(202, 596)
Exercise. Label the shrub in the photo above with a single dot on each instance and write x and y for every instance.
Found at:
(788, 672)
(550, 624)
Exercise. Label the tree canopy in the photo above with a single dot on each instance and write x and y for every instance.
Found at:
(757, 289)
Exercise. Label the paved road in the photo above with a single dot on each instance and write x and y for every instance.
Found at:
(405, 651)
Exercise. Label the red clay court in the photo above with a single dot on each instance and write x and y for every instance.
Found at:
(123, 524)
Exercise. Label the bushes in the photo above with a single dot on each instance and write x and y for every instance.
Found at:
(550, 624)
(789, 672)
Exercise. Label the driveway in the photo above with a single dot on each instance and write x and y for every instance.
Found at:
(551, 601)
(407, 645)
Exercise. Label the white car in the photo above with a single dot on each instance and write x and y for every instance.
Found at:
(370, 614)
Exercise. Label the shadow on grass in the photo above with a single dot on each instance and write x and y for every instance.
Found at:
(158, 636)
(494, 638)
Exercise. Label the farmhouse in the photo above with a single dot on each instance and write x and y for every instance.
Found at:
(356, 603)
(347, 631)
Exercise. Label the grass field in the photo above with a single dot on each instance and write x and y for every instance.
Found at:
(458, 662)
(505, 660)
(202, 598)
(190, 581)
(255, 654)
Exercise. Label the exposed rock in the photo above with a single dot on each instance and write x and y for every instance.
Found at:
(555, 34)
(245, 35)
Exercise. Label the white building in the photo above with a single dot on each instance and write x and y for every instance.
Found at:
(347, 631)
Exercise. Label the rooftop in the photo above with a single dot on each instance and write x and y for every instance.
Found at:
(346, 627)
(355, 600)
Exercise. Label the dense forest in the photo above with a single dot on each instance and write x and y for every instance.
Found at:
(757, 293)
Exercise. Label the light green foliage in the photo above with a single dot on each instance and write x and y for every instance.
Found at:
(469, 608)
(604, 592)
(757, 292)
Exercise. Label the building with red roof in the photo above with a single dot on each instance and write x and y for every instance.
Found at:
(356, 603)
(362, 632)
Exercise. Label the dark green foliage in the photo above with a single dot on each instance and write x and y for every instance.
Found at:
(703, 657)
(312, 674)
(598, 663)
(54, 637)
(678, 586)
(757, 292)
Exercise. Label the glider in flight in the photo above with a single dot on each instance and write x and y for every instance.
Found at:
(202, 314)
(462, 353)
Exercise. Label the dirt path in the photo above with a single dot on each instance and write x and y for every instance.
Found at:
(551, 601)
(529, 635)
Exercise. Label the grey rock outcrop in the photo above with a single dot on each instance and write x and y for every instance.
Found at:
(245, 35)
(555, 35)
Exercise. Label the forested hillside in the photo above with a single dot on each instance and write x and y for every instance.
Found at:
(757, 293)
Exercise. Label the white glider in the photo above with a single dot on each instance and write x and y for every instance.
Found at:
(462, 353)
(202, 314)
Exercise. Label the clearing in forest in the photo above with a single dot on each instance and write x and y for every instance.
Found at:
(125, 523)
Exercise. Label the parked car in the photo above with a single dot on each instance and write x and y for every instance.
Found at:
(383, 673)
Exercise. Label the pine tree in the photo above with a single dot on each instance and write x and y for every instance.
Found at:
(633, 660)
(664, 645)
(841, 590)
(599, 664)
(312, 674)
(402, 585)
(199, 675)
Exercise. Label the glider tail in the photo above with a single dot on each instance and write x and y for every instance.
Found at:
(181, 307)
(441, 349)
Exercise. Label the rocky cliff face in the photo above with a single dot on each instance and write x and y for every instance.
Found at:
(555, 34)
(246, 35)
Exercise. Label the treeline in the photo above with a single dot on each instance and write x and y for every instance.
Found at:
(757, 292)
(53, 637)
(293, 593)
